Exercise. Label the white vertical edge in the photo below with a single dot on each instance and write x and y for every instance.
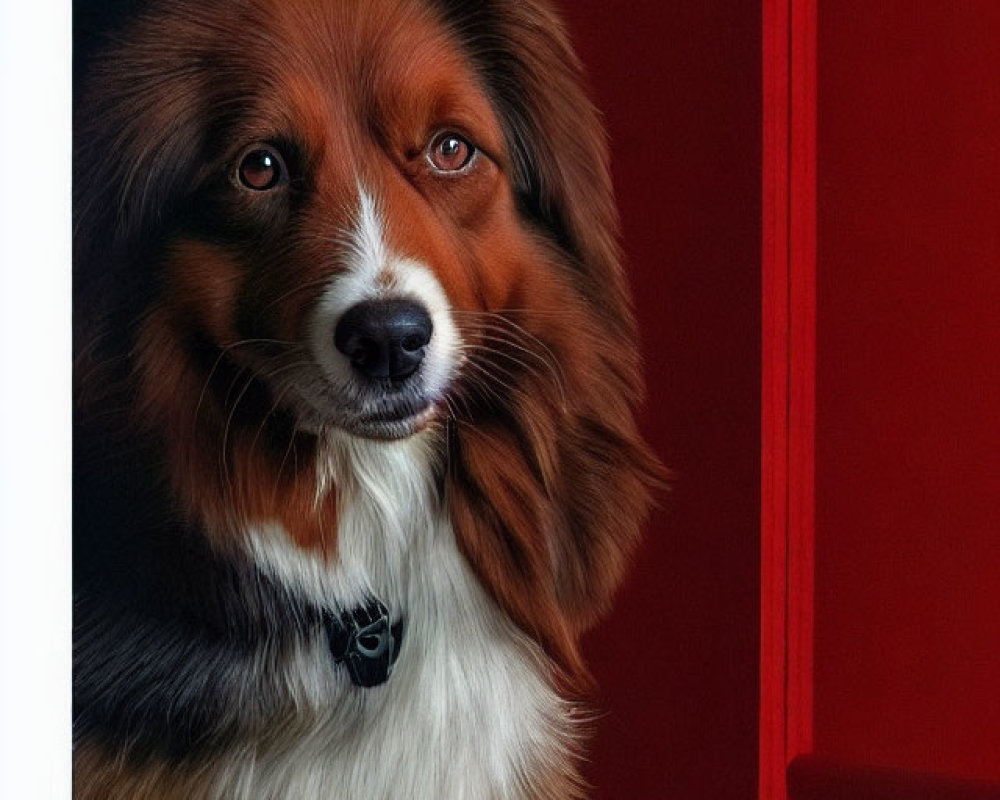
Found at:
(35, 165)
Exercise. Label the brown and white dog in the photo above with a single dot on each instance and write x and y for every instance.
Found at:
(355, 457)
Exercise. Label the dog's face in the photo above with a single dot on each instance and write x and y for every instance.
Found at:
(365, 221)
(347, 202)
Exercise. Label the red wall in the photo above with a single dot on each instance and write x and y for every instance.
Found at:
(908, 415)
(677, 663)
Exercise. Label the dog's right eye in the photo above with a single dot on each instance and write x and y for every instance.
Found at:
(261, 169)
(449, 152)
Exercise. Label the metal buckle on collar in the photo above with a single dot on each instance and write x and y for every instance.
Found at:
(363, 639)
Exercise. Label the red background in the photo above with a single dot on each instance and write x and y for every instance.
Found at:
(907, 545)
(908, 385)
(680, 87)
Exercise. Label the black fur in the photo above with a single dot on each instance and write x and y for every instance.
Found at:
(175, 646)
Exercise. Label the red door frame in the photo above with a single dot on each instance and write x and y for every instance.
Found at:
(788, 387)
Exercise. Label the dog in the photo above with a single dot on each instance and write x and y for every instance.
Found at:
(355, 455)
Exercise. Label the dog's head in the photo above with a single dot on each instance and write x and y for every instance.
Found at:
(380, 220)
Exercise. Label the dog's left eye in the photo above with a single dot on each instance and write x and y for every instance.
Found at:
(449, 152)
(261, 168)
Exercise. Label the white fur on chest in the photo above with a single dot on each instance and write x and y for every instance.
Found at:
(467, 712)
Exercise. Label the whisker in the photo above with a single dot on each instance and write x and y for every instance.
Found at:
(516, 330)
(222, 354)
(255, 373)
(484, 377)
(550, 365)
(481, 379)
(541, 344)
(288, 447)
(531, 312)
(499, 354)
(286, 387)
(308, 285)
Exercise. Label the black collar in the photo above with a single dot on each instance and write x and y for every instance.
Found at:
(364, 640)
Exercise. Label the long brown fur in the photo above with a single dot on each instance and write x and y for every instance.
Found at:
(546, 477)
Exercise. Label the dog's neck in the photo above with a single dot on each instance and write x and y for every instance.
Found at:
(387, 504)
(467, 683)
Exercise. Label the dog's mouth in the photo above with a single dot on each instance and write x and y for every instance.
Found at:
(368, 409)
(398, 420)
(368, 412)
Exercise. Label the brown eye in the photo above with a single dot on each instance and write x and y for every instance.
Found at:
(261, 169)
(450, 152)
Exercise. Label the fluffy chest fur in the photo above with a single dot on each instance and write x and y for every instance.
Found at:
(468, 711)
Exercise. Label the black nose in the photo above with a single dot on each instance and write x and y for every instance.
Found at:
(384, 338)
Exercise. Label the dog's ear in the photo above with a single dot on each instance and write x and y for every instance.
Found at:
(548, 495)
(137, 133)
(554, 136)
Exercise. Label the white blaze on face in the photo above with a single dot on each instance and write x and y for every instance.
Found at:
(372, 271)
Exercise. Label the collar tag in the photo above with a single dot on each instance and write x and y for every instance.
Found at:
(363, 639)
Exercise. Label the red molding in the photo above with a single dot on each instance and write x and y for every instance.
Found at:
(774, 398)
(788, 386)
(802, 381)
